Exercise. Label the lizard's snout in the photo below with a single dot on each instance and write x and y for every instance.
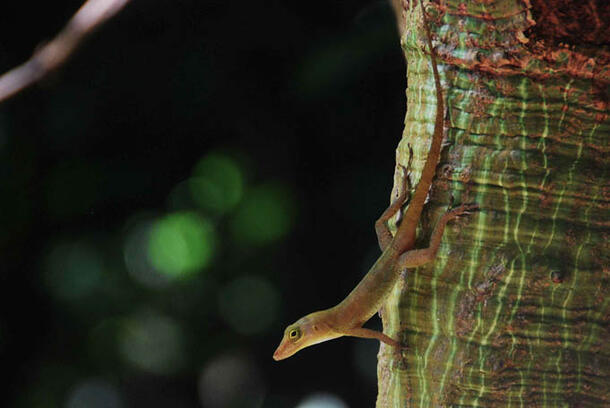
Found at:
(278, 354)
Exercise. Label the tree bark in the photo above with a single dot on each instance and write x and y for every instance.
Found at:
(515, 311)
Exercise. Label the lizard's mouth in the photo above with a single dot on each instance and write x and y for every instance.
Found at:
(282, 352)
(279, 354)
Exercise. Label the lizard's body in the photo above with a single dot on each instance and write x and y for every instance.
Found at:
(347, 318)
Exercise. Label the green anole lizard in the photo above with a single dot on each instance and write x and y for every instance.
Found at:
(347, 318)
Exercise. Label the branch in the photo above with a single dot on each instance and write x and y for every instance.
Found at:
(53, 54)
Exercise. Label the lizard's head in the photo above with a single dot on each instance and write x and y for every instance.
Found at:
(303, 333)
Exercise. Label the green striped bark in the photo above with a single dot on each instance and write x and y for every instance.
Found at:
(515, 311)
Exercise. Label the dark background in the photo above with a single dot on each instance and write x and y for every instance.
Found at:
(302, 101)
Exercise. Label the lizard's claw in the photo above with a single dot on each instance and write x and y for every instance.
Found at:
(401, 352)
(410, 161)
(463, 209)
(403, 190)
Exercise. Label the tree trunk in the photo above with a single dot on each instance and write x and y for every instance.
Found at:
(515, 311)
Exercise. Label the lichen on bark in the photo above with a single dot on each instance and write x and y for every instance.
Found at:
(515, 310)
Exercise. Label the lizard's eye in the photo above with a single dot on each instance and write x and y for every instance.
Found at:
(294, 334)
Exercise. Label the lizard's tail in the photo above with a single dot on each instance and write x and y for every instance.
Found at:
(405, 236)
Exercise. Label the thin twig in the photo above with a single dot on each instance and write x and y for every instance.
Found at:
(52, 55)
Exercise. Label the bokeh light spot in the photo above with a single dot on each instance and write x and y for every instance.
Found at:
(181, 243)
(94, 393)
(217, 183)
(152, 343)
(137, 261)
(73, 270)
(322, 400)
(265, 215)
(230, 381)
(249, 304)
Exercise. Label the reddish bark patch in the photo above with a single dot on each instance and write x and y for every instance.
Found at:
(572, 21)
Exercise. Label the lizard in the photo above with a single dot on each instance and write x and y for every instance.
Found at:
(347, 318)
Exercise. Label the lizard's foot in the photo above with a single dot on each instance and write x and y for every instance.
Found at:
(400, 351)
(410, 162)
(463, 209)
(384, 236)
(403, 189)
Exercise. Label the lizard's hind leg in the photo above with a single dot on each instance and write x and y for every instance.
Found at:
(384, 236)
(417, 257)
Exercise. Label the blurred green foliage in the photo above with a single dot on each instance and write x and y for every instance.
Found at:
(167, 198)
(181, 243)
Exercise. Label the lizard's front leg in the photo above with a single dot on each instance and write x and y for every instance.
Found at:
(365, 333)
(417, 257)
(384, 236)
(398, 348)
